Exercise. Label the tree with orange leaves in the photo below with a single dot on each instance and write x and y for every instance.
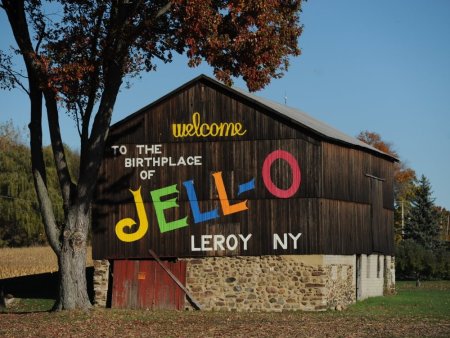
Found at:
(77, 53)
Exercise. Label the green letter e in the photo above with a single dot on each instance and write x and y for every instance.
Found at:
(160, 206)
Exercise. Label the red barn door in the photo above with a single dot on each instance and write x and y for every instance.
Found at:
(143, 284)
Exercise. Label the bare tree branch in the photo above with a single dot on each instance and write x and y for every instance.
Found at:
(41, 37)
(80, 108)
(164, 10)
(148, 22)
(14, 75)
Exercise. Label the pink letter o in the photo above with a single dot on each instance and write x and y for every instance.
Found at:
(296, 175)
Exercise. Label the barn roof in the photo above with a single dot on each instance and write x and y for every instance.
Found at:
(294, 115)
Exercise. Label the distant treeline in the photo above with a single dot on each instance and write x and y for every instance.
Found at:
(20, 219)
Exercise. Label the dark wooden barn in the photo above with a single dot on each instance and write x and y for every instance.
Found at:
(212, 171)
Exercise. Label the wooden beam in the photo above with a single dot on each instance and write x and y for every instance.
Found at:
(177, 281)
(375, 177)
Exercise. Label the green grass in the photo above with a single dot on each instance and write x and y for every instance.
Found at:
(432, 299)
(413, 312)
(31, 305)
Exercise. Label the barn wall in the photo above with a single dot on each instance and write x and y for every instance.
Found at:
(214, 105)
(338, 209)
(349, 228)
(357, 206)
(347, 175)
(301, 249)
(239, 159)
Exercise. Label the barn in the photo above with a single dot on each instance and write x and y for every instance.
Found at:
(214, 198)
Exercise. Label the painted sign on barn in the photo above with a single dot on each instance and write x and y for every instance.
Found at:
(207, 172)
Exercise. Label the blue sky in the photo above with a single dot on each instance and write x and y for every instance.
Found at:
(382, 66)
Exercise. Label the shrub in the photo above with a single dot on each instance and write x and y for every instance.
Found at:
(415, 261)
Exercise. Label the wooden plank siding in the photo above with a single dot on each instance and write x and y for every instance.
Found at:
(332, 208)
(360, 186)
(347, 171)
(143, 284)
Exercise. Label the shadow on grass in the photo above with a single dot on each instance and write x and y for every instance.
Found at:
(24, 306)
(36, 293)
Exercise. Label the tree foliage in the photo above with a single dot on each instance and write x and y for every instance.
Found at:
(422, 224)
(252, 39)
(423, 252)
(77, 54)
(18, 205)
(20, 220)
(413, 260)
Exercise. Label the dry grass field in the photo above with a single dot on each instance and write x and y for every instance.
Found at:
(16, 262)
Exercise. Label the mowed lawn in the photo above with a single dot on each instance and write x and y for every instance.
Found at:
(413, 312)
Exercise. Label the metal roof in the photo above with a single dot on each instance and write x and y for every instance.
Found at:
(301, 118)
(307, 121)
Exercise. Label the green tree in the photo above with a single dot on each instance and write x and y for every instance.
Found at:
(20, 221)
(78, 60)
(19, 211)
(412, 260)
(422, 224)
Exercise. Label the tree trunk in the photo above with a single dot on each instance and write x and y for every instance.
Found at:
(72, 264)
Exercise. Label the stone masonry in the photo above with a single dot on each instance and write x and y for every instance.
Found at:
(275, 283)
(389, 276)
(271, 283)
(101, 279)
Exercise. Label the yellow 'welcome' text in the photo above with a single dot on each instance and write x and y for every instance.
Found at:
(196, 128)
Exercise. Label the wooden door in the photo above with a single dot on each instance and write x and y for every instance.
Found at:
(143, 284)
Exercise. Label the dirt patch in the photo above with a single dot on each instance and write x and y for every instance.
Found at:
(114, 323)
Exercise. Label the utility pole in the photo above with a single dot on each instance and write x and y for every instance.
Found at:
(403, 217)
(448, 223)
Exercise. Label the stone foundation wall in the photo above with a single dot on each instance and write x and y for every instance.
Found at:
(275, 283)
(372, 278)
(341, 282)
(377, 277)
(389, 276)
(101, 279)
(271, 283)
